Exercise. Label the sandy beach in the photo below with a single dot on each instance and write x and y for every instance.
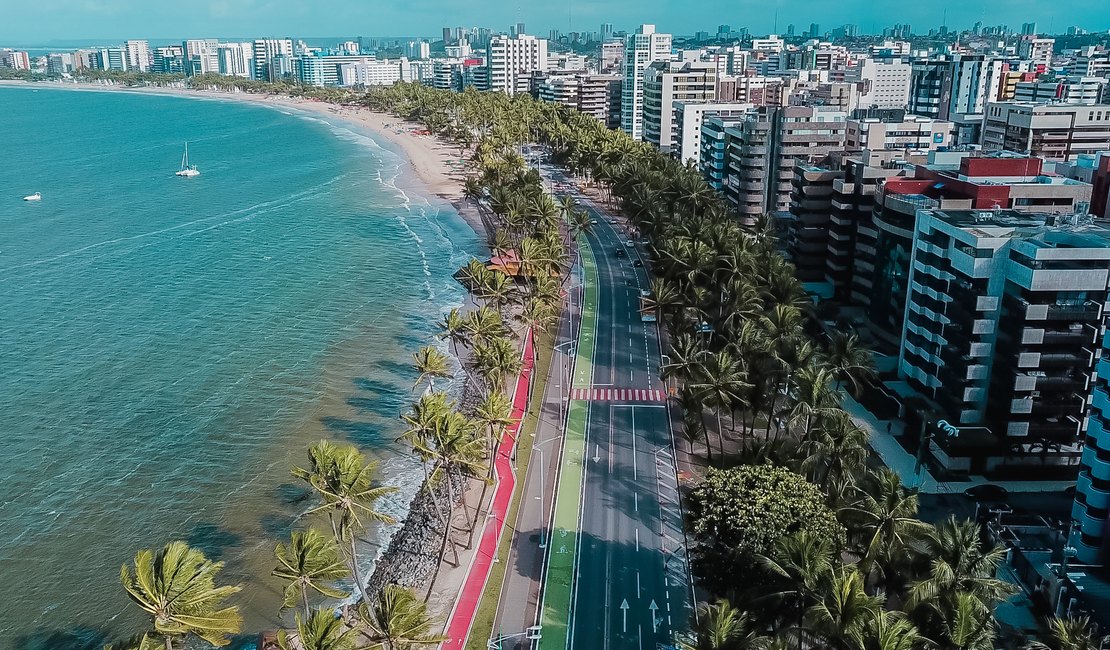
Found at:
(441, 167)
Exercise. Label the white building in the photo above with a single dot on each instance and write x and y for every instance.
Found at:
(418, 50)
(511, 62)
(138, 55)
(610, 56)
(770, 44)
(689, 118)
(1070, 90)
(265, 50)
(1037, 50)
(370, 73)
(236, 59)
(640, 50)
(886, 84)
(668, 82)
(15, 59)
(318, 70)
(201, 56)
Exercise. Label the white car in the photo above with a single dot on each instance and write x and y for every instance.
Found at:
(629, 243)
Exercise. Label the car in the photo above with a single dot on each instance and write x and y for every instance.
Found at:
(986, 492)
(593, 222)
(629, 243)
(638, 263)
(629, 282)
(620, 252)
(644, 293)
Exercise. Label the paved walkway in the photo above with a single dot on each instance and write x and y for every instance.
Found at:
(466, 605)
(882, 440)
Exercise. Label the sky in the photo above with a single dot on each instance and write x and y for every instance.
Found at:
(28, 22)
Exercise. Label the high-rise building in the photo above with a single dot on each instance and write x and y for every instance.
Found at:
(952, 180)
(510, 62)
(418, 50)
(1029, 29)
(235, 59)
(1037, 50)
(265, 50)
(15, 59)
(610, 57)
(606, 31)
(1068, 90)
(886, 84)
(138, 55)
(1051, 131)
(201, 56)
(113, 58)
(640, 50)
(60, 63)
(594, 95)
(169, 60)
(1000, 335)
(666, 82)
(814, 30)
(690, 116)
(963, 84)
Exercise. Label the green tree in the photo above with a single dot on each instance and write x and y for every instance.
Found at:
(176, 587)
(320, 630)
(1077, 633)
(345, 483)
(311, 561)
(397, 620)
(738, 514)
(430, 363)
(720, 626)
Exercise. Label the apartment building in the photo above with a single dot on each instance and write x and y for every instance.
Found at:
(610, 57)
(667, 82)
(910, 132)
(596, 95)
(1096, 171)
(640, 50)
(1036, 50)
(1051, 131)
(766, 146)
(14, 59)
(201, 56)
(690, 117)
(265, 51)
(169, 60)
(886, 83)
(511, 62)
(1090, 536)
(1001, 333)
(236, 59)
(1069, 90)
(325, 70)
(945, 87)
(1090, 61)
(138, 55)
(713, 158)
(949, 181)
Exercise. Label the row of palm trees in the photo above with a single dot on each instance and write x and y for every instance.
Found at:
(177, 585)
(756, 377)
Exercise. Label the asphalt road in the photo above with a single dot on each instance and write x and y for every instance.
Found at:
(631, 587)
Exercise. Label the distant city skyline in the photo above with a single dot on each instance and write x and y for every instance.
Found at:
(102, 20)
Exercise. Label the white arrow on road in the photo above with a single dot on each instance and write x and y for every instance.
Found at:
(597, 453)
(624, 615)
(654, 621)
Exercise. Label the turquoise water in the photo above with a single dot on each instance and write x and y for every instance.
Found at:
(169, 346)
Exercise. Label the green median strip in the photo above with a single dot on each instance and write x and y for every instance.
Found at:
(559, 580)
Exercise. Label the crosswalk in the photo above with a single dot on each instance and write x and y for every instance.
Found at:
(618, 395)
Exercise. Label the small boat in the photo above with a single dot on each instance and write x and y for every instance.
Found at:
(34, 197)
(187, 170)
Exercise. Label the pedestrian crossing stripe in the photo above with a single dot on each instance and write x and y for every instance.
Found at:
(618, 395)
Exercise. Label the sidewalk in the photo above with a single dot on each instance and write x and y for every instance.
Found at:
(466, 604)
(894, 456)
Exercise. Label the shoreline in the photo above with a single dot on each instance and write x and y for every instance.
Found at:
(439, 166)
(408, 554)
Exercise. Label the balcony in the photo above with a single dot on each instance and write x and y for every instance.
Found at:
(1094, 497)
(1100, 469)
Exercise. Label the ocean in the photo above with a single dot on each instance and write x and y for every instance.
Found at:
(169, 347)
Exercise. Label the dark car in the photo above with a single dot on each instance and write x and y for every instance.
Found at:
(987, 492)
(638, 263)
(620, 252)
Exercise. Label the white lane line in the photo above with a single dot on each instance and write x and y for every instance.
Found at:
(637, 584)
(637, 539)
(635, 501)
(635, 468)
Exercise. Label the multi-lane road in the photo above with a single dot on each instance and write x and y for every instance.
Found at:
(609, 564)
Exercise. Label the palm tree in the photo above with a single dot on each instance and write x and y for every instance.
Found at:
(176, 586)
(496, 360)
(397, 620)
(802, 566)
(888, 631)
(958, 563)
(454, 329)
(430, 363)
(884, 521)
(838, 448)
(720, 626)
(969, 625)
(345, 483)
(322, 630)
(720, 382)
(844, 612)
(311, 561)
(1071, 634)
(849, 361)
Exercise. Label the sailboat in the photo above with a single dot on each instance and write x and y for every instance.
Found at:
(187, 170)
(33, 197)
